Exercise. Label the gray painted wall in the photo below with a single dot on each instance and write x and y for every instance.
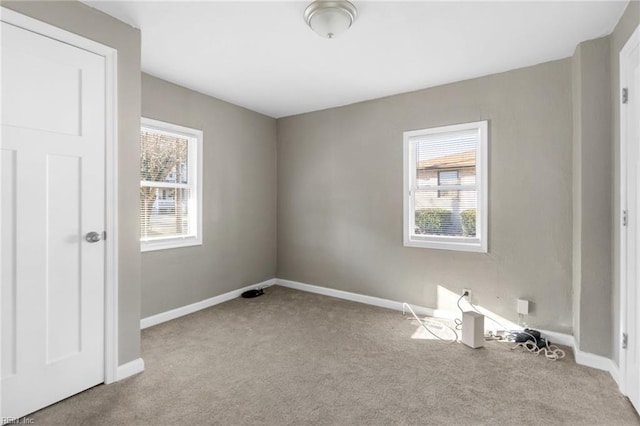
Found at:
(592, 178)
(239, 207)
(92, 24)
(340, 196)
(625, 27)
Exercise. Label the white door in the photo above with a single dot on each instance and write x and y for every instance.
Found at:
(630, 139)
(53, 154)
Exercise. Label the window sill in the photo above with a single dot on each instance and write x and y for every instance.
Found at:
(169, 243)
(476, 246)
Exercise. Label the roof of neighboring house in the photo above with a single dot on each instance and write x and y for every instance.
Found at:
(452, 161)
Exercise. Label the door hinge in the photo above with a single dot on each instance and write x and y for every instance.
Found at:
(624, 218)
(625, 340)
(625, 95)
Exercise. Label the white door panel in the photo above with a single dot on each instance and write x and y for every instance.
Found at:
(53, 152)
(33, 102)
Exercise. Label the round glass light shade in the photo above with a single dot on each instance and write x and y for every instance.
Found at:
(330, 18)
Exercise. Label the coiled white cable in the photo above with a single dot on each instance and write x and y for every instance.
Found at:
(551, 352)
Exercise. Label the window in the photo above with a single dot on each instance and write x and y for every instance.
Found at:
(447, 177)
(445, 187)
(170, 186)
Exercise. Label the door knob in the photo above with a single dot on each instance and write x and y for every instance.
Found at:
(93, 237)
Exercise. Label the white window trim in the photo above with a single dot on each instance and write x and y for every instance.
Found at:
(478, 244)
(196, 142)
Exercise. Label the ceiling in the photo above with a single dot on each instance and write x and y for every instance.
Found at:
(262, 56)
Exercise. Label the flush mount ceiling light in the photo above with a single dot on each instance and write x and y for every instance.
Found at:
(330, 18)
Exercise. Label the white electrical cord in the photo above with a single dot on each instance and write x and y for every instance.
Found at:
(551, 352)
(476, 309)
(424, 324)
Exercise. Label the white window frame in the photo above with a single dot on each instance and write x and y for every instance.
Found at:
(195, 138)
(480, 242)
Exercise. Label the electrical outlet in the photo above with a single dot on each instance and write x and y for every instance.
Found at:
(468, 291)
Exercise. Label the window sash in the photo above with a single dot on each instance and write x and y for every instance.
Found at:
(450, 227)
(159, 221)
(167, 184)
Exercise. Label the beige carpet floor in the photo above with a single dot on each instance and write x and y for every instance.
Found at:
(295, 358)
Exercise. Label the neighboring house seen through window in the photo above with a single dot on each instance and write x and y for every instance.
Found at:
(170, 186)
(445, 182)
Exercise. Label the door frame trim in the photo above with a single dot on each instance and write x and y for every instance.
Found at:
(622, 264)
(111, 173)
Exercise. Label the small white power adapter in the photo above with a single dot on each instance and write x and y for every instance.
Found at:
(473, 329)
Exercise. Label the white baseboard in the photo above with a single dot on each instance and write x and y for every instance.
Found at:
(361, 298)
(582, 358)
(555, 337)
(614, 370)
(596, 361)
(203, 304)
(130, 368)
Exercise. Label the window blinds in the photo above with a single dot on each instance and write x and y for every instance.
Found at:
(444, 192)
